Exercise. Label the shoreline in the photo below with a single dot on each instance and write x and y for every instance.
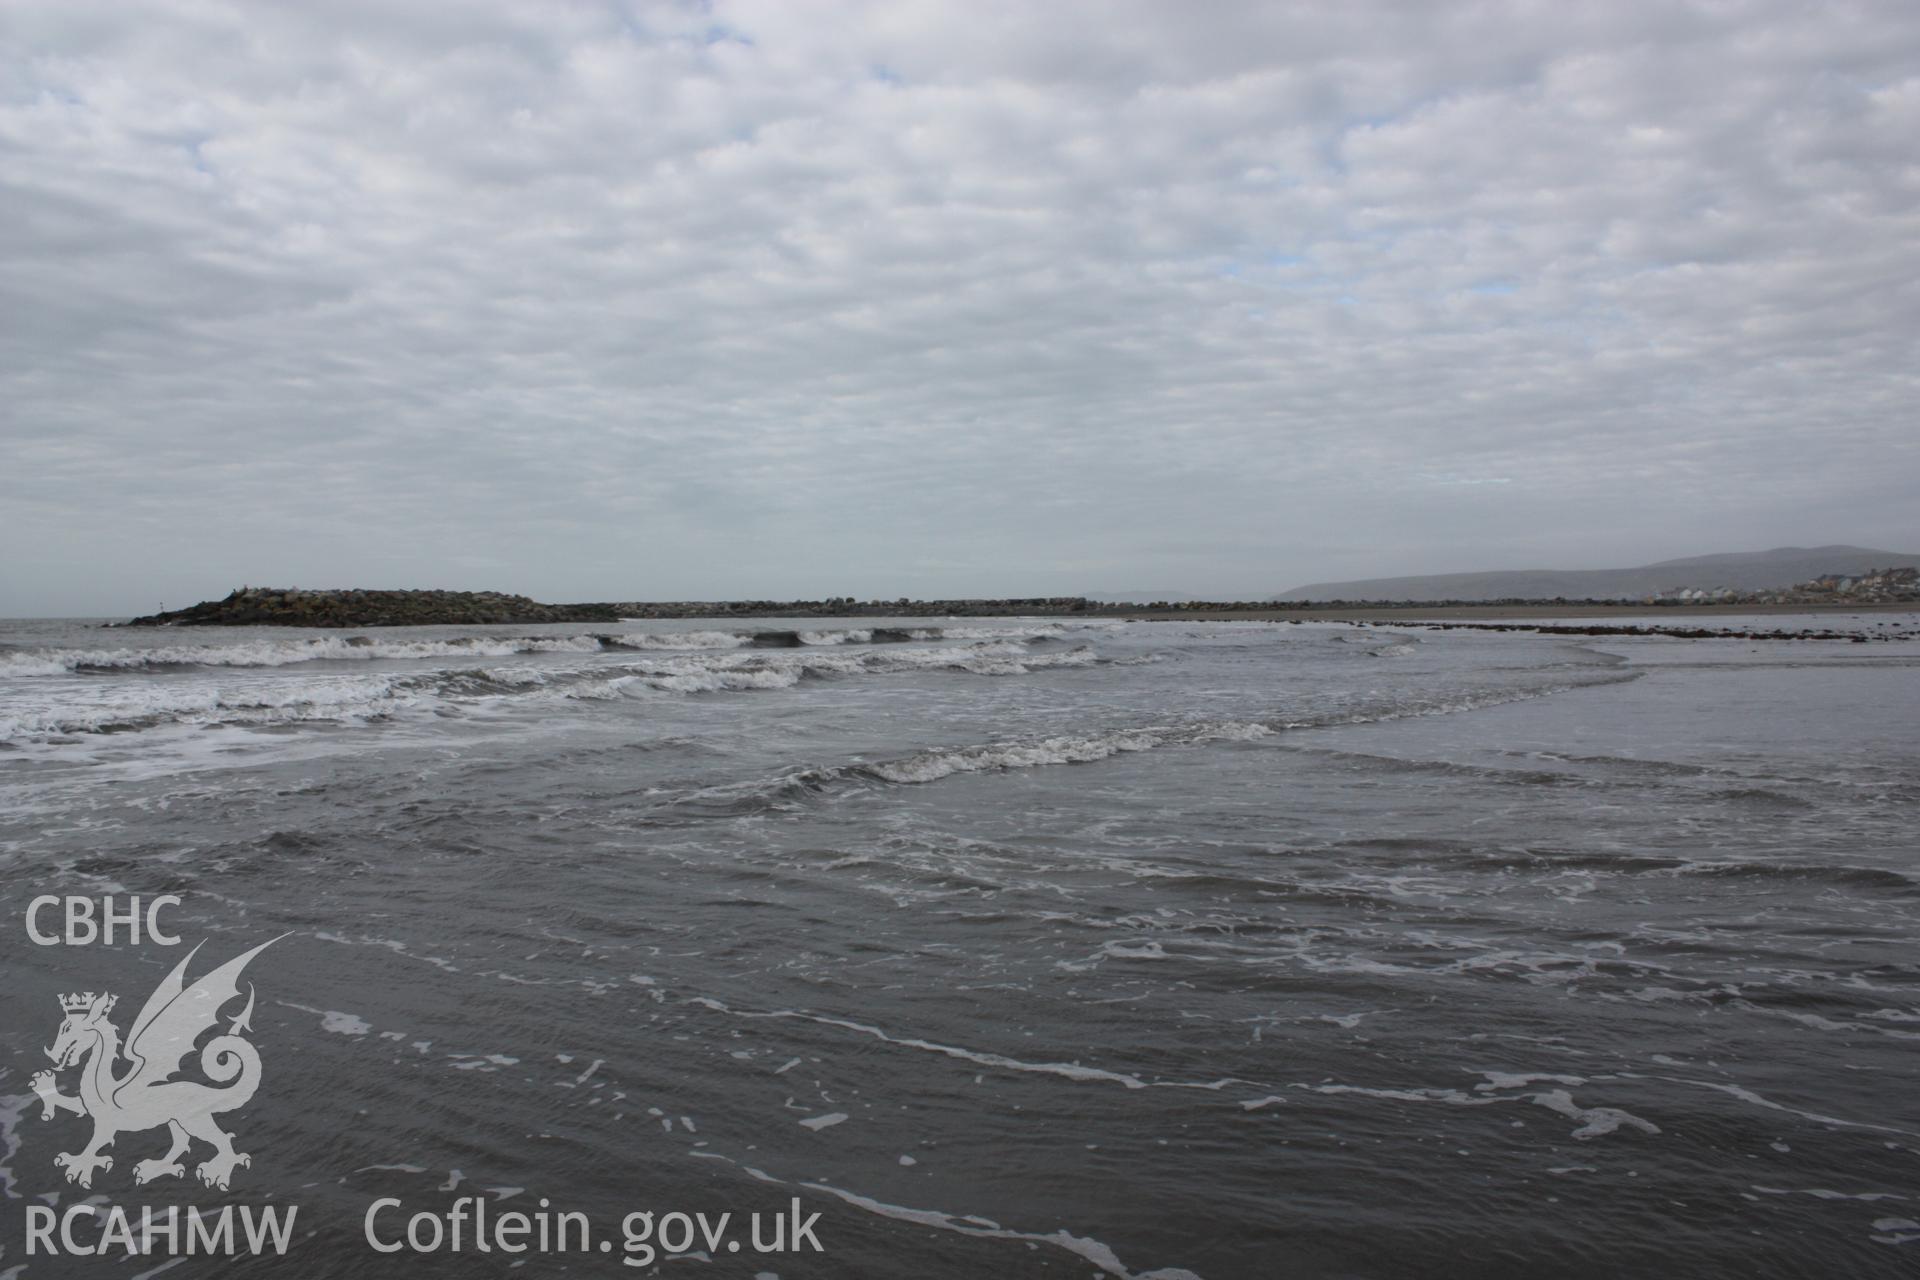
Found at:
(1664, 614)
(1405, 614)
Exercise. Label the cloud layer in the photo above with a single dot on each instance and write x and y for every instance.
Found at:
(630, 301)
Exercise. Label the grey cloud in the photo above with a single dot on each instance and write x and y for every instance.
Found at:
(752, 298)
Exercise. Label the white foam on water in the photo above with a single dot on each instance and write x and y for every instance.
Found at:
(1819, 1023)
(726, 681)
(345, 1024)
(282, 652)
(198, 703)
(1065, 1070)
(782, 669)
(395, 945)
(1821, 1193)
(931, 766)
(1135, 951)
(1094, 1251)
(1594, 1121)
(936, 764)
(1514, 1080)
(1453, 1097)
(1893, 1015)
(1749, 1096)
(484, 1063)
(1043, 632)
(689, 663)
(683, 639)
(1097, 1252)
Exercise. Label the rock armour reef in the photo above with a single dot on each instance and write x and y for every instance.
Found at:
(294, 607)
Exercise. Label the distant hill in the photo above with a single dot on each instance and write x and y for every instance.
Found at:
(1744, 570)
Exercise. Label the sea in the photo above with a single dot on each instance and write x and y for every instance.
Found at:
(1045, 947)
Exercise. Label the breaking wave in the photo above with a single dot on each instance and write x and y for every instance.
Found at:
(373, 697)
(282, 653)
(359, 648)
(785, 789)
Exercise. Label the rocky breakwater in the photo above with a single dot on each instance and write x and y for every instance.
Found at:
(848, 607)
(295, 607)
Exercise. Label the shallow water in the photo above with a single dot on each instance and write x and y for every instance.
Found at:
(1012, 948)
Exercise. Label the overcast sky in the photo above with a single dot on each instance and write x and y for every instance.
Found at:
(605, 301)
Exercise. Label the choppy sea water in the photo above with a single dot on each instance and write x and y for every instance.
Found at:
(1011, 948)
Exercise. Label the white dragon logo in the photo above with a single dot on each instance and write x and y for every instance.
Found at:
(146, 1096)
